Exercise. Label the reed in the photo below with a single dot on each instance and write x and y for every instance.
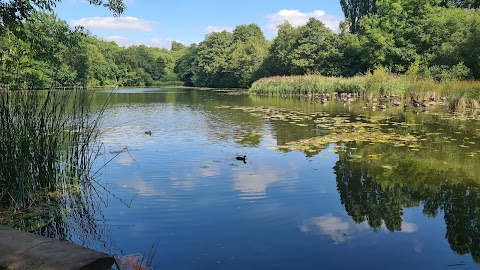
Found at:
(46, 144)
(459, 94)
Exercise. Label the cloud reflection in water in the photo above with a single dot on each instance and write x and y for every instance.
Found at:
(340, 231)
(253, 184)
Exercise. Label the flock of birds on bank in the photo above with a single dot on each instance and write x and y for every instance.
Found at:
(382, 103)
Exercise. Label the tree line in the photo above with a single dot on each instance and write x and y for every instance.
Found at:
(431, 38)
(44, 52)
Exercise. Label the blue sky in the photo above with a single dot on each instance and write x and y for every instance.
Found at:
(157, 22)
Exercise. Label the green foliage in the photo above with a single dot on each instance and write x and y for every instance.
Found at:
(224, 59)
(308, 49)
(62, 57)
(13, 12)
(431, 39)
(355, 10)
(278, 61)
(184, 66)
(405, 33)
(461, 44)
(461, 3)
(30, 60)
(248, 53)
(212, 61)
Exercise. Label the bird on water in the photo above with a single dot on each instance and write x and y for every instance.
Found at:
(242, 158)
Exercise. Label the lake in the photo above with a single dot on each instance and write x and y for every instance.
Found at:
(403, 195)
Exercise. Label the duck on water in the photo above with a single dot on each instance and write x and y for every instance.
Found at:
(242, 158)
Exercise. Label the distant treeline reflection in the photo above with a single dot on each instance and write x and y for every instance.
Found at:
(378, 195)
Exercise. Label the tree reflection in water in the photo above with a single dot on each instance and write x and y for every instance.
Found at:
(378, 195)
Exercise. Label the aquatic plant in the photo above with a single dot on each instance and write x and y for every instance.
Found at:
(46, 143)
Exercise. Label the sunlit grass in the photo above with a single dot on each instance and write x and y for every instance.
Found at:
(459, 94)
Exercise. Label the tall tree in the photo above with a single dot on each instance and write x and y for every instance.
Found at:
(355, 10)
(279, 60)
(307, 49)
(184, 66)
(211, 61)
(315, 50)
(248, 51)
(400, 33)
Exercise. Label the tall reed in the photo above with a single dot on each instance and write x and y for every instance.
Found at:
(46, 144)
(459, 94)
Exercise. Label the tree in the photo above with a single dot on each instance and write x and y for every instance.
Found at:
(211, 61)
(278, 61)
(307, 49)
(461, 3)
(400, 33)
(143, 63)
(350, 61)
(315, 50)
(39, 54)
(355, 10)
(184, 66)
(15, 11)
(459, 48)
(248, 51)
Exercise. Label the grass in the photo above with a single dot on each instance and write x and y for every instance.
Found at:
(46, 142)
(459, 94)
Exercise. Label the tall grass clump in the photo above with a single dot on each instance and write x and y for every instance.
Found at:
(461, 95)
(383, 82)
(380, 82)
(46, 144)
(294, 85)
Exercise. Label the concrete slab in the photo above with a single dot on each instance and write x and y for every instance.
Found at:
(21, 250)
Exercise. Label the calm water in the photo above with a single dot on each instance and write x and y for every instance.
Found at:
(346, 206)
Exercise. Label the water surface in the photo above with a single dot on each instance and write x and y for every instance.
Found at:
(346, 205)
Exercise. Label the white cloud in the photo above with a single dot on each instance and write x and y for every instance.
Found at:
(297, 18)
(114, 23)
(211, 29)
